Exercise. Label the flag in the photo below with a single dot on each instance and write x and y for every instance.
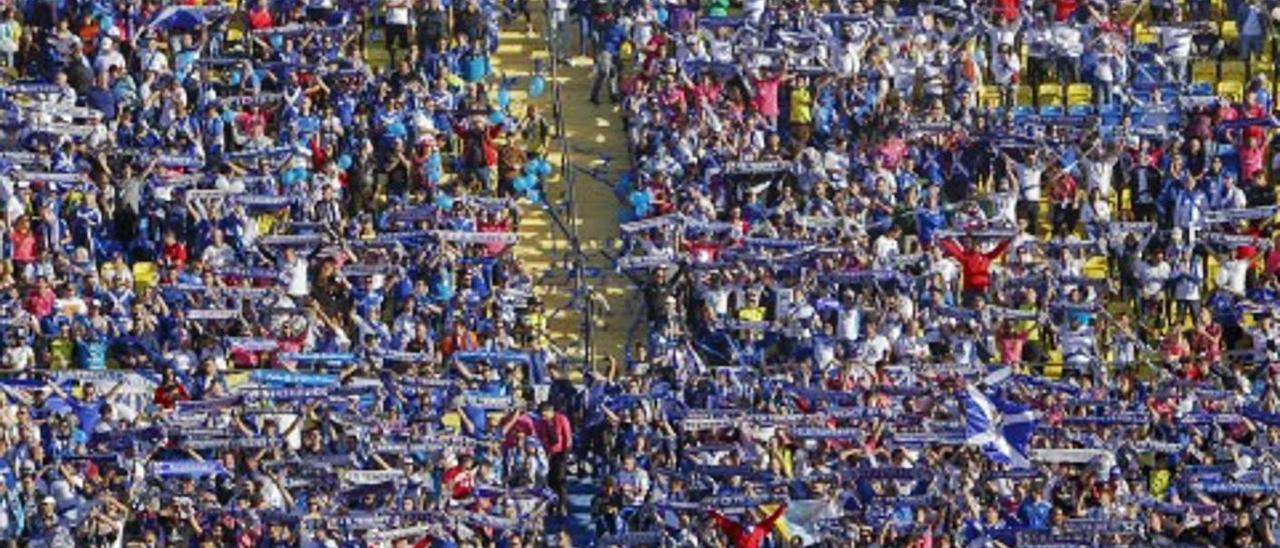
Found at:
(1003, 429)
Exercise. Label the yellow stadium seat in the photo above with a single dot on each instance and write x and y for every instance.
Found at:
(1079, 94)
(1234, 70)
(989, 96)
(1231, 89)
(1229, 31)
(1049, 94)
(144, 275)
(1143, 35)
(1204, 70)
(1023, 97)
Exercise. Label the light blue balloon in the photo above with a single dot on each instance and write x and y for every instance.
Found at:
(228, 116)
(544, 167)
(344, 162)
(642, 201)
(504, 97)
(396, 129)
(522, 183)
(662, 16)
(496, 117)
(531, 168)
(537, 85)
(277, 41)
(444, 201)
(534, 196)
(235, 78)
(287, 178)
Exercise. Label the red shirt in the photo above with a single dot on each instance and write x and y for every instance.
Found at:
(740, 537)
(1250, 161)
(497, 228)
(1065, 190)
(40, 303)
(975, 264)
(259, 18)
(1062, 9)
(176, 253)
(1008, 9)
(559, 425)
(463, 481)
(167, 398)
(24, 246)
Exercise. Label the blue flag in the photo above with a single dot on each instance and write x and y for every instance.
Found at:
(1003, 429)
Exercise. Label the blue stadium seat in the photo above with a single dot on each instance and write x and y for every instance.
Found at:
(1080, 110)
(1051, 110)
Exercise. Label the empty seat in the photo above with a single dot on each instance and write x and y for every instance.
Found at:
(1231, 90)
(1049, 94)
(1080, 110)
(1079, 94)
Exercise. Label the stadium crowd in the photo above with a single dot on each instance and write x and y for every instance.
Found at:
(921, 274)
(257, 278)
(912, 274)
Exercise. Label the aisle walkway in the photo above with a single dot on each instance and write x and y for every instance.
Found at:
(594, 133)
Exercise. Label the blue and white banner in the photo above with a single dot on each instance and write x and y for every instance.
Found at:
(202, 406)
(494, 356)
(1241, 214)
(248, 100)
(1234, 240)
(255, 153)
(490, 403)
(887, 473)
(318, 357)
(643, 538)
(281, 377)
(298, 30)
(218, 444)
(406, 357)
(49, 177)
(1124, 418)
(292, 240)
(1237, 488)
(252, 344)
(187, 468)
(286, 394)
(651, 223)
(485, 238)
(1102, 526)
(212, 314)
(756, 168)
(1002, 429)
(642, 262)
(371, 477)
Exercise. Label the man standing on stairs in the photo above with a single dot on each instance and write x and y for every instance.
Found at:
(554, 431)
(606, 69)
(399, 13)
(433, 24)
